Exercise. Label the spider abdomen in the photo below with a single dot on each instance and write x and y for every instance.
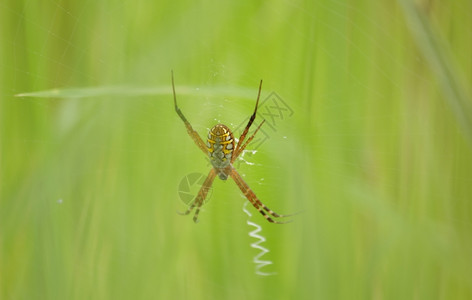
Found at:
(220, 145)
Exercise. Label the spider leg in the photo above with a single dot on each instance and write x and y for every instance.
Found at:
(251, 119)
(240, 150)
(202, 193)
(193, 134)
(264, 210)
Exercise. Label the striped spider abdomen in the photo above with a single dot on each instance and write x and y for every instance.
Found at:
(220, 145)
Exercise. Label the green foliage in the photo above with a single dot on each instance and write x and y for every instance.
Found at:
(376, 154)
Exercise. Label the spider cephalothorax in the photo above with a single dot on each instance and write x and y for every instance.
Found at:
(222, 151)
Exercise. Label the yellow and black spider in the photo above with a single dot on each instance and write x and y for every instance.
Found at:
(222, 151)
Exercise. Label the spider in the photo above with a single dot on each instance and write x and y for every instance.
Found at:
(222, 151)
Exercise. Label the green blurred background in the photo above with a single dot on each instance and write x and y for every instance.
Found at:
(377, 153)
